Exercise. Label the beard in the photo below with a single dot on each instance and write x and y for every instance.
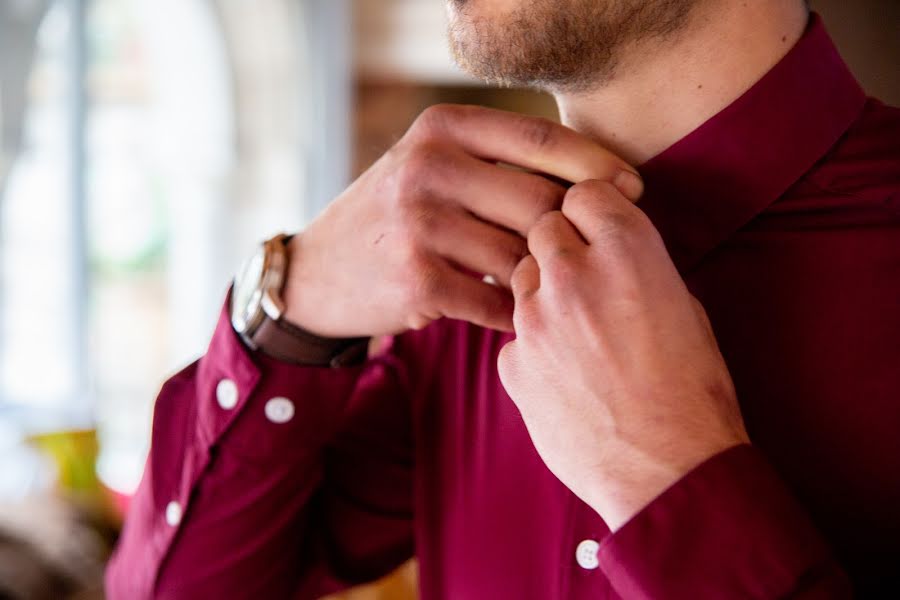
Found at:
(556, 45)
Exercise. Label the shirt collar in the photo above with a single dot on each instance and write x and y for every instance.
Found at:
(712, 182)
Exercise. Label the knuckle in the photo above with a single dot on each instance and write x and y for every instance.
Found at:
(428, 222)
(413, 260)
(434, 118)
(539, 133)
(421, 164)
(412, 263)
(545, 224)
(421, 220)
(581, 194)
(544, 231)
(619, 222)
(612, 217)
(624, 227)
(415, 217)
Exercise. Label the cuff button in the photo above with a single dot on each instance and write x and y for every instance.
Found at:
(227, 394)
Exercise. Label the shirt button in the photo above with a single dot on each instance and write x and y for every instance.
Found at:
(279, 410)
(227, 394)
(586, 554)
(173, 513)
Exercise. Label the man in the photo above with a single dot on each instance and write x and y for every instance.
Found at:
(604, 449)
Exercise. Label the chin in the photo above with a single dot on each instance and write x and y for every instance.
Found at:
(482, 9)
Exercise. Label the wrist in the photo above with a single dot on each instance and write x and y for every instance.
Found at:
(629, 487)
(259, 314)
(300, 307)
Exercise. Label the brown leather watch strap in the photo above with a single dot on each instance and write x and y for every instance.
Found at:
(291, 344)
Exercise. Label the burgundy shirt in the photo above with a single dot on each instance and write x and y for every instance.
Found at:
(782, 213)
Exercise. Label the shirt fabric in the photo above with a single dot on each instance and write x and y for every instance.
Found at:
(782, 213)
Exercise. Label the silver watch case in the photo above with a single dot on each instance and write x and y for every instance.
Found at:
(256, 294)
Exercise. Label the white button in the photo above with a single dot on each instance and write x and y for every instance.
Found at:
(279, 410)
(586, 554)
(173, 513)
(227, 394)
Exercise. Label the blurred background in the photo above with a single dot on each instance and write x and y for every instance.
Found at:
(145, 147)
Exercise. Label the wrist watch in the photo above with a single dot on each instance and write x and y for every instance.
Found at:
(257, 315)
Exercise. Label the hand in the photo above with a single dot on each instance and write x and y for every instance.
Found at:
(402, 245)
(615, 368)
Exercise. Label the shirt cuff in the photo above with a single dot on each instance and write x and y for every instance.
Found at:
(728, 529)
(261, 407)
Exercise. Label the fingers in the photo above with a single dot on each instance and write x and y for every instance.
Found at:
(512, 199)
(551, 236)
(463, 297)
(529, 142)
(478, 246)
(509, 198)
(597, 208)
(526, 279)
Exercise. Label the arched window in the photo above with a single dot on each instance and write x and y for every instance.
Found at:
(196, 131)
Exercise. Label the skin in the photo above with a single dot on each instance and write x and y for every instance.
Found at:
(663, 68)
(434, 207)
(615, 367)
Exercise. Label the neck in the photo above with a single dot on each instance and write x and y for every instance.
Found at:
(660, 94)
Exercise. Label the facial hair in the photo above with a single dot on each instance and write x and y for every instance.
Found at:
(557, 45)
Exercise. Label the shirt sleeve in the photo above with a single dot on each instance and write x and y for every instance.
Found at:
(269, 480)
(728, 529)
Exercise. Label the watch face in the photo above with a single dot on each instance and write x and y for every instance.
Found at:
(247, 294)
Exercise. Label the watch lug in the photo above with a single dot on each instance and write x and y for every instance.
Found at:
(272, 306)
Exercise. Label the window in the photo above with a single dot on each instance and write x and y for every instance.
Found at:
(124, 211)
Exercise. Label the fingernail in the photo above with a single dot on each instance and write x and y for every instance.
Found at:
(630, 184)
